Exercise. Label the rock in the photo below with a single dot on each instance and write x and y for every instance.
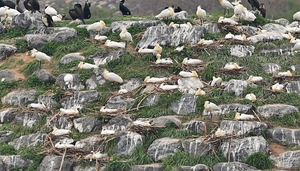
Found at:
(170, 36)
(195, 126)
(127, 141)
(196, 147)
(94, 33)
(132, 84)
(271, 27)
(119, 123)
(182, 15)
(71, 57)
(287, 160)
(6, 51)
(28, 21)
(4, 136)
(241, 50)
(90, 143)
(87, 124)
(249, 30)
(282, 21)
(276, 110)
(293, 87)
(80, 99)
(163, 120)
(29, 119)
(198, 167)
(266, 37)
(13, 162)
(102, 57)
(164, 147)
(242, 148)
(191, 83)
(19, 98)
(44, 76)
(151, 100)
(47, 100)
(52, 163)
(118, 25)
(242, 128)
(28, 140)
(79, 168)
(60, 122)
(212, 27)
(284, 136)
(236, 86)
(286, 49)
(186, 105)
(148, 167)
(231, 166)
(295, 67)
(120, 102)
(7, 75)
(271, 68)
(8, 115)
(2, 29)
(229, 108)
(97, 79)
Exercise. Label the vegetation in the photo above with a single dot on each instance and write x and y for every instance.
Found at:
(259, 160)
(13, 32)
(21, 45)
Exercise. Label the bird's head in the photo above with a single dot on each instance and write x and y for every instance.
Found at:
(201, 42)
(253, 97)
(236, 66)
(161, 85)
(80, 65)
(250, 78)
(244, 37)
(60, 16)
(289, 73)
(158, 56)
(147, 78)
(171, 11)
(107, 41)
(97, 36)
(102, 24)
(205, 104)
(171, 24)
(194, 74)
(105, 72)
(237, 116)
(185, 61)
(221, 1)
(199, 92)
(189, 24)
(220, 18)
(102, 108)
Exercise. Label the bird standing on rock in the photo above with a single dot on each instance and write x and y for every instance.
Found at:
(123, 9)
(211, 107)
(86, 10)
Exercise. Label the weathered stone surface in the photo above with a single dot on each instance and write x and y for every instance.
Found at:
(8, 115)
(191, 83)
(242, 128)
(171, 36)
(212, 27)
(19, 98)
(13, 162)
(196, 147)
(127, 141)
(295, 67)
(276, 110)
(240, 149)
(28, 140)
(71, 57)
(236, 86)
(2, 29)
(266, 37)
(118, 25)
(6, 51)
(79, 168)
(28, 20)
(163, 120)
(293, 87)
(231, 166)
(286, 49)
(119, 123)
(5, 135)
(185, 105)
(75, 85)
(132, 84)
(80, 99)
(271, 68)
(284, 136)
(60, 122)
(7, 75)
(241, 50)
(198, 167)
(102, 57)
(148, 167)
(29, 118)
(287, 160)
(90, 143)
(282, 21)
(52, 163)
(250, 30)
(164, 147)
(182, 15)
(97, 79)
(271, 27)
(47, 100)
(195, 126)
(44, 76)
(87, 124)
(229, 108)
(151, 100)
(120, 102)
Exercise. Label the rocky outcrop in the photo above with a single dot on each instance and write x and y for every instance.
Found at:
(293, 87)
(118, 25)
(195, 126)
(7, 75)
(29, 119)
(19, 98)
(276, 110)
(44, 76)
(229, 108)
(151, 100)
(120, 102)
(196, 147)
(236, 86)
(287, 160)
(28, 140)
(283, 50)
(97, 79)
(182, 15)
(74, 85)
(242, 51)
(191, 83)
(266, 37)
(243, 128)
(102, 57)
(5, 135)
(148, 167)
(132, 84)
(52, 163)
(28, 21)
(6, 51)
(13, 162)
(87, 124)
(80, 99)
(119, 123)
(271, 68)
(282, 21)
(198, 167)
(90, 143)
(60, 122)
(230, 166)
(163, 120)
(71, 57)
(184, 106)
(284, 136)
(8, 115)
(2, 29)
(127, 141)
(47, 100)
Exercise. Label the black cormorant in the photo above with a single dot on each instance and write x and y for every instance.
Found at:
(123, 9)
(262, 10)
(73, 14)
(47, 20)
(9, 4)
(86, 10)
(254, 4)
(18, 7)
(32, 5)
(178, 9)
(65, 17)
(79, 12)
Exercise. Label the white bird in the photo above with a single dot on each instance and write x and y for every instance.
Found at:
(39, 56)
(125, 35)
(163, 60)
(3, 79)
(231, 66)
(57, 18)
(187, 25)
(216, 81)
(292, 39)
(110, 43)
(179, 48)
(254, 78)
(187, 61)
(229, 36)
(226, 5)
(172, 24)
(200, 92)
(247, 15)
(201, 13)
(59, 132)
(154, 79)
(296, 16)
(97, 26)
(239, 116)
(219, 132)
(236, 2)
(205, 42)
(277, 87)
(68, 79)
(157, 49)
(11, 12)
(251, 97)
(107, 132)
(297, 46)
(142, 123)
(71, 111)
(98, 37)
(50, 11)
(227, 20)
(99, 155)
(168, 87)
(66, 145)
(166, 13)
(107, 110)
(211, 107)
(84, 65)
(37, 105)
(123, 91)
(2, 11)
(143, 50)
(240, 37)
(188, 74)
(287, 73)
(112, 76)
(238, 11)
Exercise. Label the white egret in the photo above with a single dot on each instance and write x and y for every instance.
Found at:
(39, 56)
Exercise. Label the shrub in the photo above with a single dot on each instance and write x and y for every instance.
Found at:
(259, 160)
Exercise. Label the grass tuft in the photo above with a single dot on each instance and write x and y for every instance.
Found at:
(259, 160)
(13, 32)
(31, 67)
(21, 45)
(50, 47)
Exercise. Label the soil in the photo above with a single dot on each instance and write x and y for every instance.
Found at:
(276, 149)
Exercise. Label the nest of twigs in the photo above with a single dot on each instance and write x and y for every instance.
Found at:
(274, 92)
(232, 72)
(195, 67)
(283, 79)
(95, 41)
(155, 65)
(144, 129)
(66, 93)
(230, 28)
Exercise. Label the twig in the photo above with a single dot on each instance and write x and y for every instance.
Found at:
(50, 140)
(207, 52)
(52, 119)
(62, 160)
(229, 149)
(256, 116)
(137, 108)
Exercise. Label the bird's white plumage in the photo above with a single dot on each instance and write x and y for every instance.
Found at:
(287, 73)
(68, 79)
(187, 61)
(296, 16)
(142, 123)
(145, 50)
(123, 91)
(163, 60)
(157, 49)
(154, 79)
(168, 87)
(205, 42)
(50, 11)
(11, 12)
(108, 110)
(201, 13)
(84, 65)
(188, 74)
(98, 37)
(97, 26)
(39, 55)
(229, 36)
(179, 48)
(70, 111)
(65, 145)
(200, 92)
(166, 13)
(277, 87)
(110, 43)
(209, 106)
(251, 97)
(227, 20)
(216, 81)
(59, 132)
(226, 4)
(239, 116)
(125, 35)
(37, 105)
(112, 76)
(219, 132)
(254, 78)
(107, 132)
(56, 18)
(231, 66)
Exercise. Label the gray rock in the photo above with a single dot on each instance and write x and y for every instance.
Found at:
(186, 105)
(80, 99)
(242, 148)
(94, 33)
(282, 21)
(127, 141)
(87, 124)
(266, 37)
(236, 86)
(47, 100)
(191, 83)
(151, 100)
(271, 27)
(118, 25)
(248, 30)
(29, 119)
(97, 79)
(13, 162)
(6, 51)
(148, 167)
(198, 167)
(276, 110)
(91, 143)
(28, 20)
(229, 108)
(212, 27)
(284, 136)
(271, 68)
(119, 123)
(132, 84)
(241, 50)
(286, 49)
(102, 57)
(7, 75)
(60, 122)
(196, 147)
(233, 166)
(28, 140)
(8, 115)
(182, 15)
(163, 120)
(2, 29)
(19, 98)
(293, 87)
(242, 128)
(71, 57)
(2, 167)
(296, 67)
(195, 126)
(170, 36)
(79, 168)
(4, 136)
(293, 24)
(120, 102)
(287, 160)
(164, 147)
(44, 76)
(52, 163)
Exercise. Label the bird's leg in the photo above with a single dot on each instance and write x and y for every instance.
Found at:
(210, 116)
(40, 64)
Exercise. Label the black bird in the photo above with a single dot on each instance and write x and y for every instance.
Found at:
(47, 20)
(79, 12)
(65, 17)
(178, 9)
(73, 14)
(262, 10)
(254, 4)
(32, 5)
(86, 10)
(18, 7)
(123, 9)
(9, 4)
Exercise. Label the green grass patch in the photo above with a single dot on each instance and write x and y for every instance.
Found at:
(7, 64)
(259, 160)
(31, 67)
(50, 47)
(13, 32)
(6, 149)
(31, 153)
(36, 83)
(21, 45)
(288, 120)
(7, 86)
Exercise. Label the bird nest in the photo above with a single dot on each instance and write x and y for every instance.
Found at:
(95, 41)
(66, 93)
(230, 28)
(274, 92)
(232, 72)
(224, 41)
(36, 110)
(155, 65)
(144, 129)
(195, 67)
(283, 79)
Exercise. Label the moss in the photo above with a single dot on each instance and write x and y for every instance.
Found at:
(21, 45)
(259, 160)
